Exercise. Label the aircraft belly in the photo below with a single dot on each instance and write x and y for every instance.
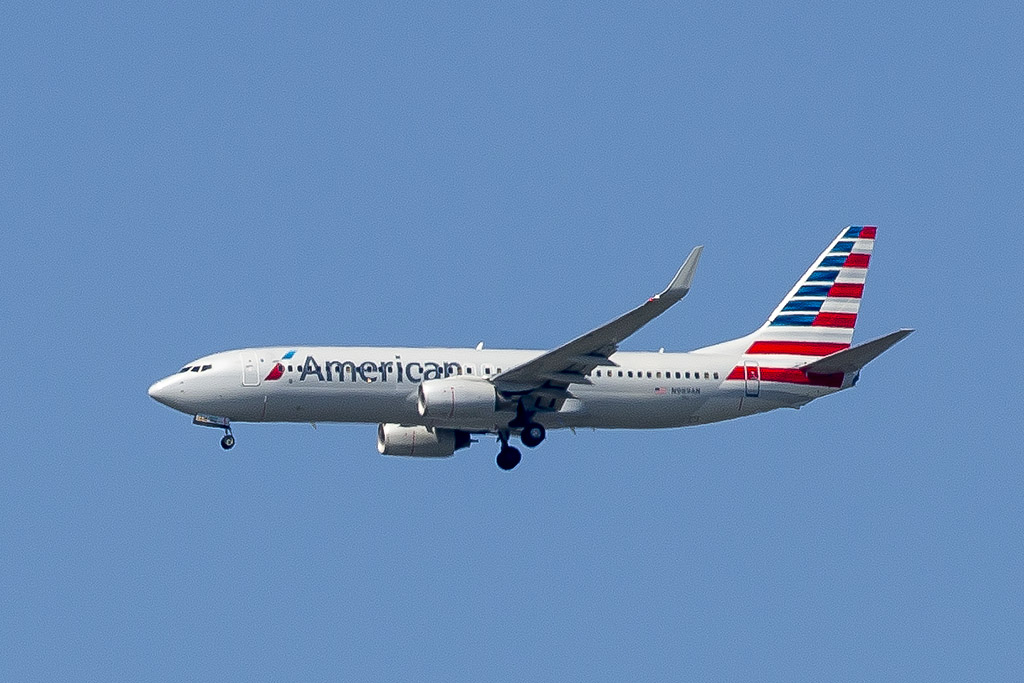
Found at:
(625, 411)
(732, 402)
(342, 403)
(378, 402)
(240, 406)
(244, 408)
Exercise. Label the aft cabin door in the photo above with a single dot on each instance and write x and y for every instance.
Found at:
(752, 377)
(250, 369)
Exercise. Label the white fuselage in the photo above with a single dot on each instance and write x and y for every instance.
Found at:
(428, 402)
(379, 384)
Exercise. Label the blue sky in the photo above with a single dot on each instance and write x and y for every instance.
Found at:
(180, 180)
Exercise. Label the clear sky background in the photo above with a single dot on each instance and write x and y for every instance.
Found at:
(181, 180)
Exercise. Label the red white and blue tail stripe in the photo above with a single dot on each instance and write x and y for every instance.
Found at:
(818, 315)
(814, 320)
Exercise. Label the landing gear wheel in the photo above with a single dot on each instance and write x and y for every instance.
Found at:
(509, 457)
(227, 442)
(532, 435)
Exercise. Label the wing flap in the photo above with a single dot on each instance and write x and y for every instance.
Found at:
(566, 377)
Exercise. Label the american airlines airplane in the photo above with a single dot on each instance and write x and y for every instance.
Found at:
(431, 402)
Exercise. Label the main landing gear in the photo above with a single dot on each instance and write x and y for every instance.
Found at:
(508, 456)
(531, 436)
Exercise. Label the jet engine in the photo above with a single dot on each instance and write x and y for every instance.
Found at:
(419, 441)
(457, 398)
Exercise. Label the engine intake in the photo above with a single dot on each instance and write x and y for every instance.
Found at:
(456, 398)
(419, 441)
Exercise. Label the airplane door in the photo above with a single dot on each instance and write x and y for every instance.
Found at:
(250, 369)
(752, 378)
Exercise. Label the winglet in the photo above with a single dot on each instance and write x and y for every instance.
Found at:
(680, 284)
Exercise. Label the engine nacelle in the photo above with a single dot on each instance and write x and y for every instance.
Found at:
(457, 398)
(419, 441)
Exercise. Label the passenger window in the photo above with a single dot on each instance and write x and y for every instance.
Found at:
(687, 375)
(658, 375)
(598, 373)
(648, 374)
(706, 376)
(677, 375)
(289, 368)
(716, 375)
(620, 373)
(630, 373)
(469, 369)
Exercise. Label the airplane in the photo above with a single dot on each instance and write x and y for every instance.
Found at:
(432, 402)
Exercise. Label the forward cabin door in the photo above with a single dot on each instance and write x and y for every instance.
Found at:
(752, 378)
(250, 369)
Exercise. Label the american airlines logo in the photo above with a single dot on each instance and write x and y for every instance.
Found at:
(365, 371)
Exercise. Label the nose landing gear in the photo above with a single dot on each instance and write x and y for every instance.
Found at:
(224, 423)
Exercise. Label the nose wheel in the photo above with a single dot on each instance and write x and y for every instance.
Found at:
(227, 442)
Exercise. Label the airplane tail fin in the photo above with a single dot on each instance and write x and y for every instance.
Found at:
(806, 339)
(818, 315)
(816, 318)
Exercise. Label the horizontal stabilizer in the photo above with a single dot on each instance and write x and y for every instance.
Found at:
(855, 357)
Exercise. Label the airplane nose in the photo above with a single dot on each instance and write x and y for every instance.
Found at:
(162, 391)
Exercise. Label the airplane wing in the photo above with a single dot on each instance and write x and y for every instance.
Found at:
(547, 378)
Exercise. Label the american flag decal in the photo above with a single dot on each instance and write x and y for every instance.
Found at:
(659, 390)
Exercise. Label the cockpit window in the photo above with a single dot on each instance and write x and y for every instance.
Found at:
(195, 368)
(185, 369)
(205, 368)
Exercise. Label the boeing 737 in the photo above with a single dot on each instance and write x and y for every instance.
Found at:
(431, 402)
